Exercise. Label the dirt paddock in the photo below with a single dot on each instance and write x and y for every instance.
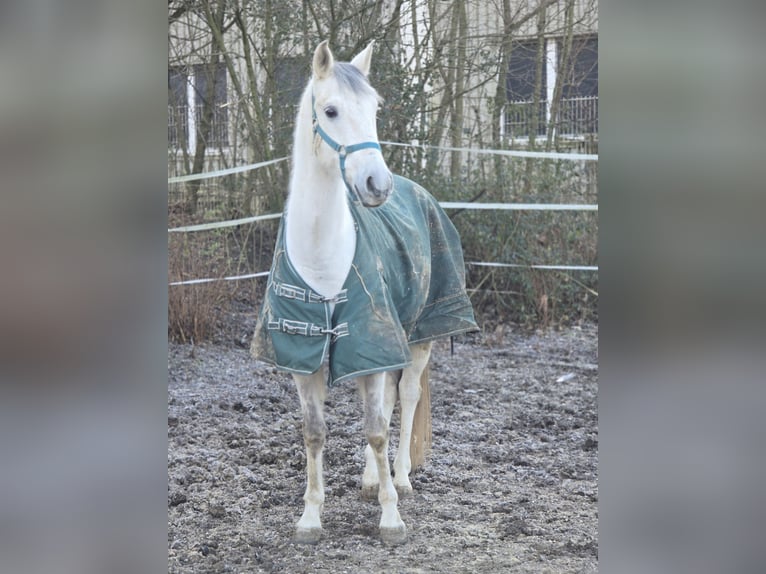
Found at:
(509, 486)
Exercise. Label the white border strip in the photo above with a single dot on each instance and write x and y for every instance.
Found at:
(508, 152)
(220, 172)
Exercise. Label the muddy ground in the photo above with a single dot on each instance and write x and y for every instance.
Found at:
(510, 485)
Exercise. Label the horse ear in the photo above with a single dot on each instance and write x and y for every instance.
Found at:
(323, 61)
(363, 59)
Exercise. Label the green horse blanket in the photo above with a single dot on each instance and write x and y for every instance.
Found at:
(406, 285)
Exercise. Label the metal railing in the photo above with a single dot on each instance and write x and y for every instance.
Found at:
(177, 125)
(217, 135)
(519, 116)
(576, 117)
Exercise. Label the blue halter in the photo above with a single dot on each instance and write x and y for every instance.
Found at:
(342, 150)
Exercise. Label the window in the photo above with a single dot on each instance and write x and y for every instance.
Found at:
(520, 86)
(178, 132)
(188, 91)
(291, 74)
(578, 113)
(581, 80)
(290, 77)
(578, 108)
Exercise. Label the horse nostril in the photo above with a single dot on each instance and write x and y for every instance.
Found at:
(377, 188)
(371, 187)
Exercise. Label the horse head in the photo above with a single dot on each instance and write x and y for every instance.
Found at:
(344, 108)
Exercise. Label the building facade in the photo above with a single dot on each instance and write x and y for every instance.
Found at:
(458, 73)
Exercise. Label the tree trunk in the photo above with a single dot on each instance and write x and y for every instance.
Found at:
(444, 57)
(501, 96)
(215, 21)
(558, 90)
(536, 100)
(458, 120)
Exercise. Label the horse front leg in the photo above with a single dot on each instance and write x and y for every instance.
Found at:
(312, 390)
(409, 395)
(392, 528)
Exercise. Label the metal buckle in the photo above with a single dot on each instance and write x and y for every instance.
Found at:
(289, 291)
(307, 329)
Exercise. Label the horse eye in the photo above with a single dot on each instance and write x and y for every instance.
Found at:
(331, 112)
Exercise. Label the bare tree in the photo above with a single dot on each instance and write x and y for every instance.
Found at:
(443, 69)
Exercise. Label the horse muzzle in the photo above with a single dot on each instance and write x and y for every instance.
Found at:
(373, 189)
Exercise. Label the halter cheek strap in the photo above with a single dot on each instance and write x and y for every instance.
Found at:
(342, 150)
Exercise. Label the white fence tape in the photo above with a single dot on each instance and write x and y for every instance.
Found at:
(520, 206)
(507, 152)
(222, 172)
(210, 280)
(553, 267)
(474, 263)
(220, 224)
(445, 205)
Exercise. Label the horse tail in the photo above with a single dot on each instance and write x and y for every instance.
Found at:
(420, 443)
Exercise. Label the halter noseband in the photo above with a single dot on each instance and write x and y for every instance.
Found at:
(343, 150)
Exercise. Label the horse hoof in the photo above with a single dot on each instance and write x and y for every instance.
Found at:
(308, 535)
(394, 536)
(370, 492)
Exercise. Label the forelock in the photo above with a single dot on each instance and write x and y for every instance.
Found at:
(349, 76)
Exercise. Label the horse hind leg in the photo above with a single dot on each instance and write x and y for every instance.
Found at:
(312, 391)
(412, 398)
(370, 482)
(392, 528)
